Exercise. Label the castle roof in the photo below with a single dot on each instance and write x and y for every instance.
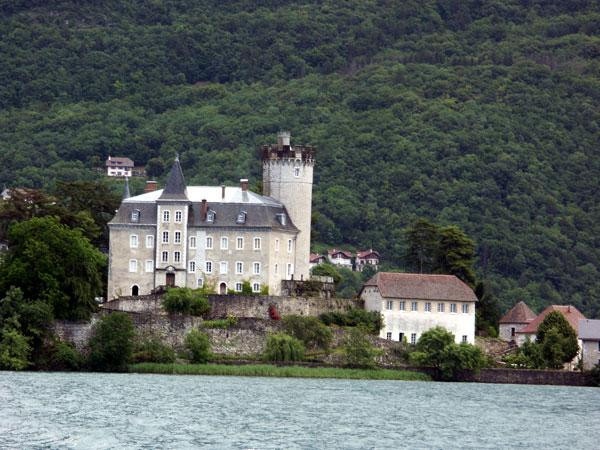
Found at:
(570, 313)
(520, 313)
(421, 287)
(175, 187)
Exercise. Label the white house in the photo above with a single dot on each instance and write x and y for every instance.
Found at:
(340, 258)
(117, 166)
(316, 259)
(515, 320)
(367, 257)
(589, 335)
(413, 303)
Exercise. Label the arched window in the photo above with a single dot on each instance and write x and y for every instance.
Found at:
(135, 290)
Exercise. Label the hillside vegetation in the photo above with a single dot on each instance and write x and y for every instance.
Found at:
(480, 113)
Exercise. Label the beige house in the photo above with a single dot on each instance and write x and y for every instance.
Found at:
(219, 236)
(117, 166)
(529, 332)
(413, 303)
(589, 335)
(515, 320)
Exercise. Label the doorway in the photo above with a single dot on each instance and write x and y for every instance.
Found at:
(222, 289)
(171, 280)
(135, 290)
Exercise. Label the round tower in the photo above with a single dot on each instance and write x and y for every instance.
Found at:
(288, 177)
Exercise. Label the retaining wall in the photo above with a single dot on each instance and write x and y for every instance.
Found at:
(525, 376)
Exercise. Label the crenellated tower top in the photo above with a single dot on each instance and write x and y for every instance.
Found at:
(284, 150)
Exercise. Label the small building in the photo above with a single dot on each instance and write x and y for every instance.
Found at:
(340, 258)
(413, 303)
(316, 259)
(367, 257)
(517, 318)
(570, 313)
(589, 335)
(117, 166)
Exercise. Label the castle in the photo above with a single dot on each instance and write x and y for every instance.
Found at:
(218, 236)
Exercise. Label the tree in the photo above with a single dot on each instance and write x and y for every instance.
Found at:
(283, 347)
(310, 330)
(487, 311)
(186, 301)
(358, 350)
(455, 254)
(54, 264)
(197, 344)
(111, 344)
(155, 167)
(14, 350)
(327, 270)
(558, 340)
(422, 237)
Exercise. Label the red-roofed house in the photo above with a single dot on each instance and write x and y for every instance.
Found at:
(517, 318)
(117, 166)
(570, 313)
(412, 303)
(316, 259)
(340, 257)
(370, 257)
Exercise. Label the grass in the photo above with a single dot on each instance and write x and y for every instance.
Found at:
(267, 370)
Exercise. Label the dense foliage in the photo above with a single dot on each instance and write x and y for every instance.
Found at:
(310, 330)
(283, 347)
(111, 344)
(197, 345)
(480, 113)
(370, 321)
(152, 349)
(358, 350)
(186, 301)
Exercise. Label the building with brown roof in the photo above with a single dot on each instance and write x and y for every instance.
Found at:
(413, 303)
(340, 257)
(517, 318)
(367, 257)
(569, 312)
(315, 259)
(117, 166)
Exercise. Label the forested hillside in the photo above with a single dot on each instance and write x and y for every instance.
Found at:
(480, 113)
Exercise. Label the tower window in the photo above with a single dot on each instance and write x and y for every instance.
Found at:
(296, 171)
(133, 265)
(290, 245)
(178, 216)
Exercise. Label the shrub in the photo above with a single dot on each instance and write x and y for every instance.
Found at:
(186, 301)
(65, 357)
(14, 350)
(310, 330)
(283, 347)
(230, 321)
(359, 352)
(558, 340)
(197, 344)
(528, 356)
(111, 344)
(153, 349)
(371, 321)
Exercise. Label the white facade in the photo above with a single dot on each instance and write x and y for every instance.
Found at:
(339, 259)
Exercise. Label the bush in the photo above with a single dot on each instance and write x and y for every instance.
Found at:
(186, 301)
(197, 344)
(111, 345)
(65, 357)
(230, 321)
(153, 349)
(283, 347)
(528, 356)
(371, 321)
(14, 350)
(310, 330)
(358, 350)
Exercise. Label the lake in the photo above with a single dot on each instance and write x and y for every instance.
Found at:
(84, 410)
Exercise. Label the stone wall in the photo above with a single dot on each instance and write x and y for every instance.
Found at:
(524, 376)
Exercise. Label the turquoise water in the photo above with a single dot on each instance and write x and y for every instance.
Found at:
(82, 410)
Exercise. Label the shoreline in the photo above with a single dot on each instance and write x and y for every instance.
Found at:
(270, 370)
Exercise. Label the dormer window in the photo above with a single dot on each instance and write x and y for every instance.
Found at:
(241, 217)
(210, 216)
(282, 218)
(135, 215)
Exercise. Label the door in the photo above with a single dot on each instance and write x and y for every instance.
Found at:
(171, 279)
(222, 289)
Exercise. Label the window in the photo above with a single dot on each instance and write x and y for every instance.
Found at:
(402, 306)
(276, 245)
(413, 338)
(200, 282)
(276, 269)
(464, 339)
(256, 268)
(223, 267)
(401, 337)
(255, 287)
(239, 267)
(177, 239)
(178, 216)
(224, 243)
(210, 216)
(389, 335)
(452, 307)
(414, 306)
(513, 331)
(208, 267)
(149, 241)
(241, 217)
(135, 215)
(149, 265)
(256, 243)
(290, 269)
(441, 307)
(296, 171)
(428, 307)
(165, 237)
(177, 257)
(133, 265)
(389, 305)
(166, 216)
(133, 241)
(465, 308)
(290, 246)
(281, 218)
(165, 257)
(192, 267)
(238, 287)
(209, 242)
(192, 241)
(239, 243)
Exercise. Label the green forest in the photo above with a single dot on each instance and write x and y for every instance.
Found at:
(482, 114)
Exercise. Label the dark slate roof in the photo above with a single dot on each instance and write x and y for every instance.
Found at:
(175, 187)
(421, 286)
(520, 313)
(147, 213)
(589, 329)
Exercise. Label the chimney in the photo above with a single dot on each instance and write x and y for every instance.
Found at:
(569, 308)
(150, 186)
(244, 184)
(222, 191)
(283, 138)
(204, 210)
